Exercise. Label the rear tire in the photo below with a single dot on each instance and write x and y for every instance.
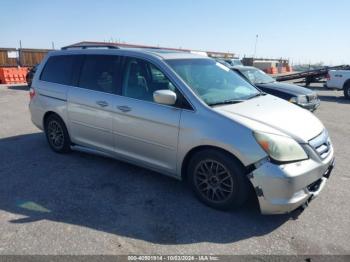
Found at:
(218, 179)
(57, 135)
(347, 90)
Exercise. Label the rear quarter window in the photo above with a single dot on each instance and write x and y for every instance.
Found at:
(59, 69)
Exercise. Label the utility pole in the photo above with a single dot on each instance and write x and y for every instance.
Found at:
(19, 54)
(53, 45)
(256, 43)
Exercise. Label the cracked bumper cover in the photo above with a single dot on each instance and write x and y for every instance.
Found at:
(283, 188)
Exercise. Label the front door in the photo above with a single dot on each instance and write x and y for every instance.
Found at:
(145, 131)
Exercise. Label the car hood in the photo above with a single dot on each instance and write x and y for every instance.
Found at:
(271, 114)
(287, 88)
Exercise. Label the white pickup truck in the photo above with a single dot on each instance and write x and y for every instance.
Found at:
(339, 79)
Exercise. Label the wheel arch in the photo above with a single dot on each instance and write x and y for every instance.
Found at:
(49, 113)
(65, 145)
(347, 82)
(197, 149)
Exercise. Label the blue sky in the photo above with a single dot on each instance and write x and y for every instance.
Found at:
(304, 31)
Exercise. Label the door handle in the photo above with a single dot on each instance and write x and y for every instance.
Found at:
(102, 103)
(124, 108)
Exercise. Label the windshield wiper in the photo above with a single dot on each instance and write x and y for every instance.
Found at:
(265, 82)
(256, 95)
(225, 102)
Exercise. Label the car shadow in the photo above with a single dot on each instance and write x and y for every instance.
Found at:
(111, 196)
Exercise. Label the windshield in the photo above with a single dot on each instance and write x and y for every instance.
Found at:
(236, 62)
(256, 76)
(224, 63)
(213, 82)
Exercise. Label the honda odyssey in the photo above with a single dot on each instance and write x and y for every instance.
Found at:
(186, 116)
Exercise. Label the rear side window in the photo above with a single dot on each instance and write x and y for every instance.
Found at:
(59, 69)
(101, 73)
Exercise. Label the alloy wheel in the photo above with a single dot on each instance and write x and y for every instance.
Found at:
(55, 134)
(213, 180)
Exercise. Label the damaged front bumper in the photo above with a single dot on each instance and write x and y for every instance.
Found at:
(283, 188)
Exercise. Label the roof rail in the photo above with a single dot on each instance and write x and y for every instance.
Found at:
(89, 46)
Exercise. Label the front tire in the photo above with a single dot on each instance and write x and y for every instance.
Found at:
(347, 90)
(218, 179)
(57, 135)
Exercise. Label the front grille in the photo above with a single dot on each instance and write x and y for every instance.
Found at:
(321, 144)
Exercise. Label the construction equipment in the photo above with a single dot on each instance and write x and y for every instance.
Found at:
(312, 76)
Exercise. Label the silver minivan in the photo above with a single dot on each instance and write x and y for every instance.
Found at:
(185, 116)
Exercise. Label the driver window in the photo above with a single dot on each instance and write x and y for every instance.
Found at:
(141, 79)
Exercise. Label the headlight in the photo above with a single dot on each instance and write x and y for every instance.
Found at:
(280, 148)
(299, 99)
(302, 99)
(293, 99)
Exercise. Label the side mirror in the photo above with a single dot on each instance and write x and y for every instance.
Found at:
(165, 97)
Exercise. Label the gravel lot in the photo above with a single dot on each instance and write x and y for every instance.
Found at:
(85, 204)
